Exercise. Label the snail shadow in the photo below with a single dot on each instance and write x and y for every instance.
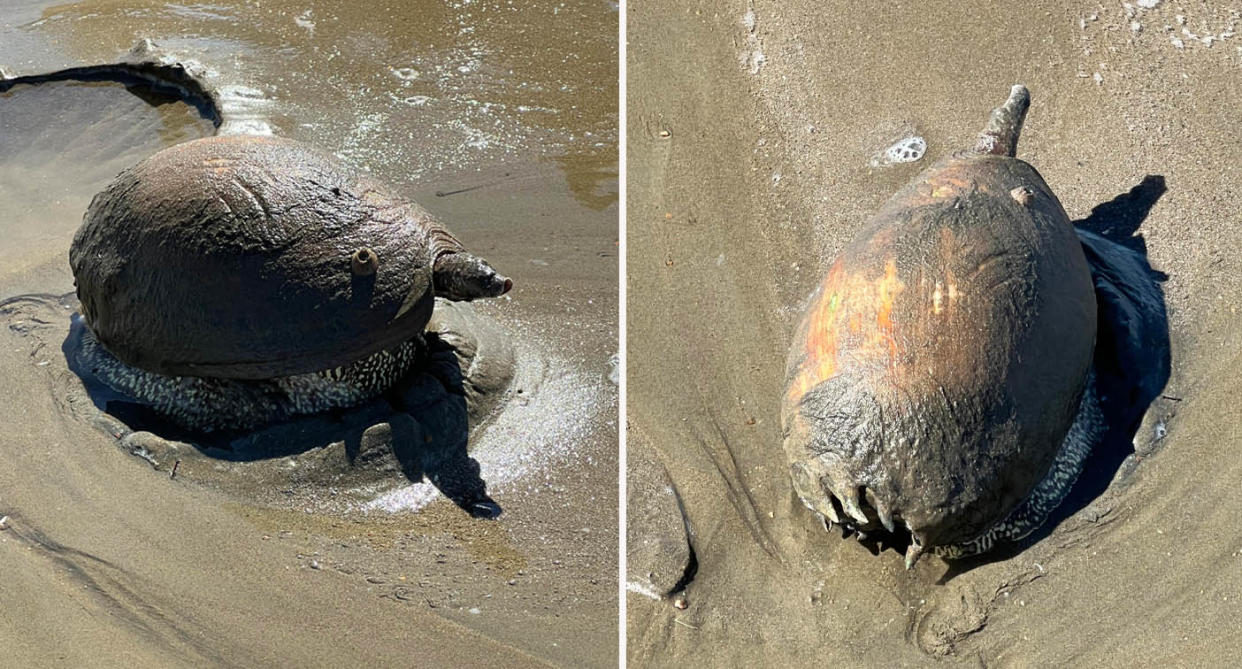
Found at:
(418, 430)
(1132, 359)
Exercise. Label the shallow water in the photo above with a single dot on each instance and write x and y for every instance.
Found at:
(406, 89)
(499, 117)
(61, 142)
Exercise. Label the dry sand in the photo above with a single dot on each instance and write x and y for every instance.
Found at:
(752, 129)
(501, 125)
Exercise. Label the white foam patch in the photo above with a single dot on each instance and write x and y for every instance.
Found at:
(245, 126)
(752, 56)
(477, 139)
(756, 61)
(304, 21)
(245, 110)
(413, 100)
(405, 73)
(359, 139)
(906, 150)
(527, 108)
(642, 589)
(540, 428)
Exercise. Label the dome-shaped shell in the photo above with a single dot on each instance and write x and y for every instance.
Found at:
(940, 363)
(252, 257)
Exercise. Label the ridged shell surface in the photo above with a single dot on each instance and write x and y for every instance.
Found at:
(940, 363)
(251, 257)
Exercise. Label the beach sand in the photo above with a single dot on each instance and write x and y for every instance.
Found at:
(754, 132)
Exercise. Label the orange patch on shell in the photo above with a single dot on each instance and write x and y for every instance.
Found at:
(218, 165)
(952, 180)
(853, 313)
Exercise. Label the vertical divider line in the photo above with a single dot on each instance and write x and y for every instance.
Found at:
(623, 191)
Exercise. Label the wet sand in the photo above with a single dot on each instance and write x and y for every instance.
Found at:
(503, 128)
(753, 130)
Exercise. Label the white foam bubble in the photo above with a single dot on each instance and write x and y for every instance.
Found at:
(405, 73)
(245, 110)
(246, 126)
(235, 92)
(757, 59)
(304, 21)
(642, 589)
(905, 150)
(477, 139)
